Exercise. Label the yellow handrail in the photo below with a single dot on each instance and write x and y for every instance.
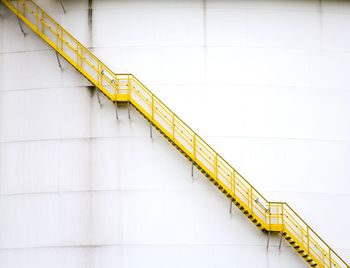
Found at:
(273, 216)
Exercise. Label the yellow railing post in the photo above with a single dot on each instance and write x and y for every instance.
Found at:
(269, 211)
(99, 74)
(57, 34)
(323, 255)
(173, 126)
(129, 88)
(37, 18)
(61, 38)
(194, 146)
(308, 239)
(77, 52)
(234, 182)
(251, 198)
(282, 216)
(115, 85)
(152, 107)
(215, 166)
(42, 22)
(115, 98)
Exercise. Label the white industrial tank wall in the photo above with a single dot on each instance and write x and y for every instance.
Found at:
(265, 82)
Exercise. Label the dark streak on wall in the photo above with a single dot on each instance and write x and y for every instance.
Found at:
(90, 23)
(321, 23)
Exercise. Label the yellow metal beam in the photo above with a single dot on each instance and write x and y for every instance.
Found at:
(268, 216)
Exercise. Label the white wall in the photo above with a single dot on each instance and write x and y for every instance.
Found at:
(265, 82)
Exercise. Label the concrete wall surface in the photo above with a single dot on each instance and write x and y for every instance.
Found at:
(266, 83)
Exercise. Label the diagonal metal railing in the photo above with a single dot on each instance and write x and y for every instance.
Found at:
(272, 216)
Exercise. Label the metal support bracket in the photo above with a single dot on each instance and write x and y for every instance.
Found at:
(116, 110)
(21, 26)
(62, 5)
(268, 242)
(150, 130)
(192, 171)
(231, 207)
(129, 110)
(59, 61)
(280, 244)
(98, 98)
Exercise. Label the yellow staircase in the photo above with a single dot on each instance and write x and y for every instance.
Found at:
(268, 216)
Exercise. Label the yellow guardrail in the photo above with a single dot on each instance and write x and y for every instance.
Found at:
(273, 216)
